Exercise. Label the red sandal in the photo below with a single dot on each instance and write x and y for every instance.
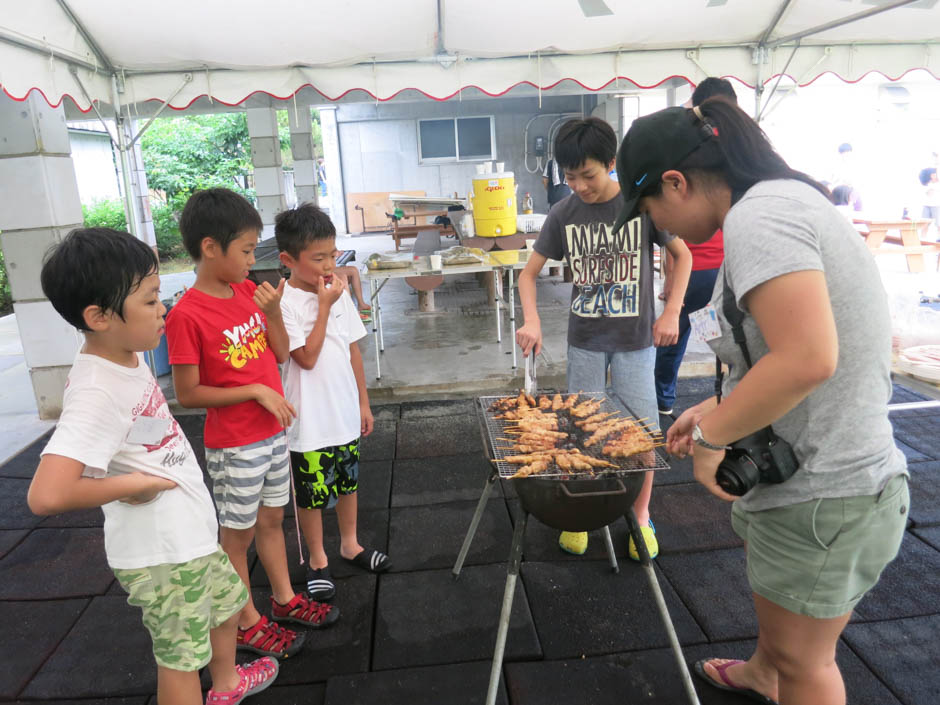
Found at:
(269, 639)
(302, 610)
(255, 677)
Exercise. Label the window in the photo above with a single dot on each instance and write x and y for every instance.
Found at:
(456, 139)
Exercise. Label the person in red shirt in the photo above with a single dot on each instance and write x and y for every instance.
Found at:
(706, 261)
(226, 338)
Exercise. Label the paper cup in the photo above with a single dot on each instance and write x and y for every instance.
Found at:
(435, 261)
(500, 167)
(530, 244)
(481, 168)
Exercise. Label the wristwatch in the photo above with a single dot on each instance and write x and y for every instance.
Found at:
(699, 439)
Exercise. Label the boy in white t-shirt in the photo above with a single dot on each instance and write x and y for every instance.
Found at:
(325, 382)
(117, 446)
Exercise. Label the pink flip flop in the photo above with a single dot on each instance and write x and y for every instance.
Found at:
(727, 683)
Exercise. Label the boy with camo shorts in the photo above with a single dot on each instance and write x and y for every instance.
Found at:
(117, 447)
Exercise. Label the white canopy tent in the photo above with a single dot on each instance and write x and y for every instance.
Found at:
(184, 51)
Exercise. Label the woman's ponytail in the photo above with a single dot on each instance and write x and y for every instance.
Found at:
(741, 152)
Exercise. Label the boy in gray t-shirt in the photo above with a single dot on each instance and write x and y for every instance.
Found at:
(610, 322)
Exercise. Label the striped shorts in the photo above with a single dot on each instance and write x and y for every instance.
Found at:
(245, 477)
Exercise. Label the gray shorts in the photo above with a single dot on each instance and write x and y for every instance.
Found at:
(819, 558)
(245, 477)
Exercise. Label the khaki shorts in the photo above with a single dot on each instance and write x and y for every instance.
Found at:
(182, 602)
(819, 558)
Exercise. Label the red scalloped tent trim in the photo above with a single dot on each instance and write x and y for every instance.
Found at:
(455, 93)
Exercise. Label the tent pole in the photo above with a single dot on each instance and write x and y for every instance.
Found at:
(759, 53)
(129, 210)
(186, 79)
(104, 124)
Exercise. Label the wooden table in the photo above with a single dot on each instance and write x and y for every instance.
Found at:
(911, 237)
(378, 278)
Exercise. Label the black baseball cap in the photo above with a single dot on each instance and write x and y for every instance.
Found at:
(655, 144)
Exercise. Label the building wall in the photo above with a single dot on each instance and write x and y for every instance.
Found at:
(94, 166)
(379, 143)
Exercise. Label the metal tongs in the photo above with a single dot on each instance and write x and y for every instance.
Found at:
(530, 384)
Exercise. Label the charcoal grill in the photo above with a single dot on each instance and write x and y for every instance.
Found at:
(568, 502)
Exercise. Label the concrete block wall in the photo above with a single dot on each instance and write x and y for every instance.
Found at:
(302, 150)
(266, 159)
(39, 204)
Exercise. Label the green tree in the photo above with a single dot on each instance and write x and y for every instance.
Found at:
(184, 154)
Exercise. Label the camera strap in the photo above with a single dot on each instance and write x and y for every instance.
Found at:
(735, 318)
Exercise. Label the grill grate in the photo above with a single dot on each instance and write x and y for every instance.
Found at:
(496, 428)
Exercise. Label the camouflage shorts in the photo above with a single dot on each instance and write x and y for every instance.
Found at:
(320, 476)
(181, 603)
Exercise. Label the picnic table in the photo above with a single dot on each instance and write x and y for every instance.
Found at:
(910, 240)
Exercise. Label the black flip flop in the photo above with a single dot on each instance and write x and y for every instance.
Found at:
(320, 585)
(371, 560)
(699, 670)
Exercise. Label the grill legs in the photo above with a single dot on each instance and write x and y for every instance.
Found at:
(611, 556)
(474, 523)
(647, 563)
(515, 558)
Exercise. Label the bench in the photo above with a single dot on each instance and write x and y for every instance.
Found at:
(400, 231)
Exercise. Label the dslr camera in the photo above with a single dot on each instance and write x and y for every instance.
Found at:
(760, 457)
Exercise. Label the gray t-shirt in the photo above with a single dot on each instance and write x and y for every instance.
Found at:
(840, 433)
(612, 291)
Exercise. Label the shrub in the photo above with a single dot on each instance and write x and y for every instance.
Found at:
(105, 213)
(166, 229)
(6, 297)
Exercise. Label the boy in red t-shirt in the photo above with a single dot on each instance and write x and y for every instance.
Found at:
(226, 337)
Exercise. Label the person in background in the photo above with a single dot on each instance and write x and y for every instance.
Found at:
(845, 175)
(706, 260)
(321, 176)
(611, 320)
(350, 273)
(811, 356)
(554, 182)
(930, 182)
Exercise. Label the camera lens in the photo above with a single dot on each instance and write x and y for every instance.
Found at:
(737, 475)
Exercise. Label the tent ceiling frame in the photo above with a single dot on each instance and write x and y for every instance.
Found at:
(838, 23)
(86, 35)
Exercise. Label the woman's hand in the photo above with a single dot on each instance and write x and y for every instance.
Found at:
(704, 466)
(679, 436)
